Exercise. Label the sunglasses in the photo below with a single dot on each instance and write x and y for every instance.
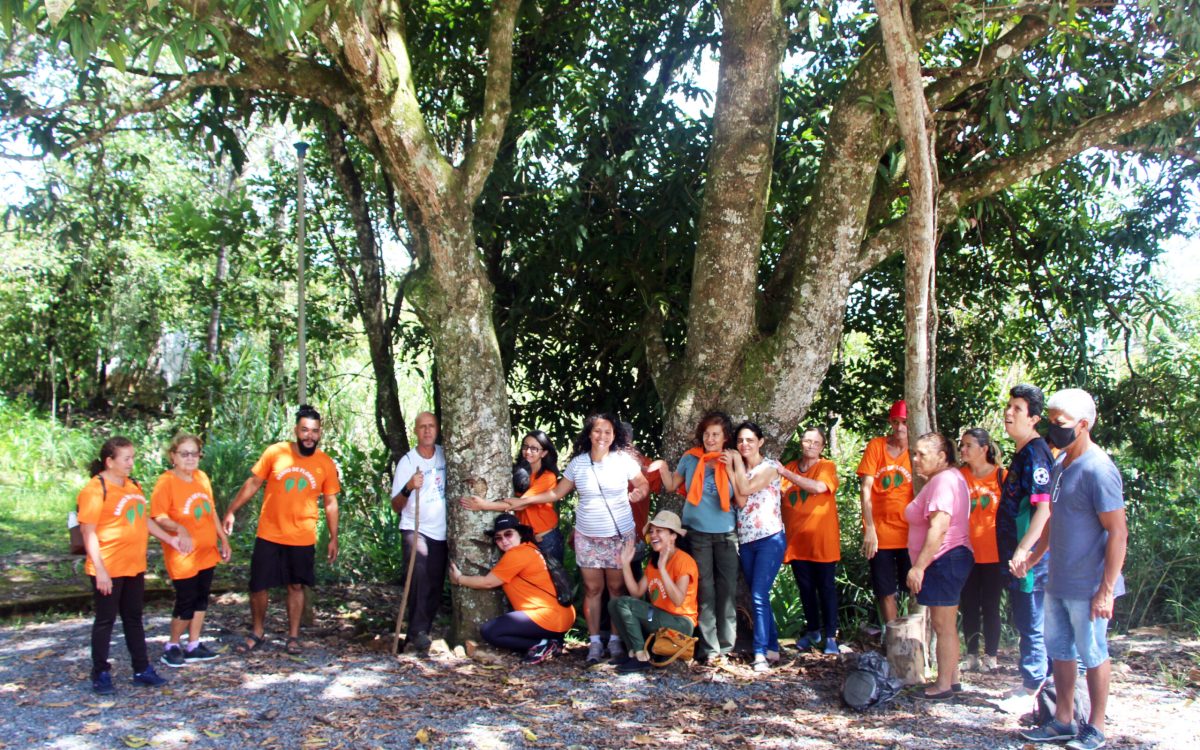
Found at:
(506, 534)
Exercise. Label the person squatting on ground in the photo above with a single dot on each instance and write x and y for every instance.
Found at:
(298, 476)
(709, 519)
(669, 587)
(535, 471)
(1086, 537)
(939, 545)
(537, 622)
(182, 503)
(420, 482)
(885, 474)
(1024, 510)
(601, 470)
(115, 522)
(981, 594)
(814, 545)
(761, 541)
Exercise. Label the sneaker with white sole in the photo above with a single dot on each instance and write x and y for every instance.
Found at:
(595, 652)
(971, 664)
(199, 653)
(541, 651)
(1089, 738)
(831, 647)
(1051, 731)
(616, 649)
(987, 663)
(148, 677)
(173, 656)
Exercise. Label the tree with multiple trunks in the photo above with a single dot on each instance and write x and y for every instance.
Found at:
(806, 185)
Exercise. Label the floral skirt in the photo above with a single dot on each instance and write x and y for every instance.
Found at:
(600, 551)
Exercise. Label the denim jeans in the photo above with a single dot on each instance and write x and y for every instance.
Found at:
(552, 545)
(760, 564)
(717, 562)
(1028, 617)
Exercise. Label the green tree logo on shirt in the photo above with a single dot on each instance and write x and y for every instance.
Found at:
(134, 513)
(982, 501)
(300, 484)
(201, 510)
(892, 480)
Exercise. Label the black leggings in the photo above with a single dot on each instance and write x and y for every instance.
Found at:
(516, 631)
(817, 582)
(125, 600)
(981, 595)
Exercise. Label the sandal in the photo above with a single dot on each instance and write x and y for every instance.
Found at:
(253, 643)
(293, 647)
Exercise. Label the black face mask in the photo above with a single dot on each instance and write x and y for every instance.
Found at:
(1060, 437)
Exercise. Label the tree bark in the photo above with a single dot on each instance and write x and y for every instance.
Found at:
(920, 235)
(729, 238)
(367, 287)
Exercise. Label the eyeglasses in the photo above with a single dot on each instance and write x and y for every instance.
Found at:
(189, 454)
(531, 449)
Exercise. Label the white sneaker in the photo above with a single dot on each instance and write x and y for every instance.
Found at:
(595, 652)
(988, 663)
(760, 664)
(972, 663)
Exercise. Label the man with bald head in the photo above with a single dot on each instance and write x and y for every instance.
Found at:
(420, 481)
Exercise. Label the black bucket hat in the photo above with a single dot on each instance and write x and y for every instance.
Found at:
(506, 521)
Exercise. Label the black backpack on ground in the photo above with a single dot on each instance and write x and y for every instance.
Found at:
(870, 682)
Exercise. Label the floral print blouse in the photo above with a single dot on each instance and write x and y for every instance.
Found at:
(761, 517)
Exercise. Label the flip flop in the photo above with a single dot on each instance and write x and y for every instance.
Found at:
(253, 643)
(293, 647)
(945, 694)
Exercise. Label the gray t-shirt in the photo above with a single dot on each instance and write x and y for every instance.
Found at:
(1091, 485)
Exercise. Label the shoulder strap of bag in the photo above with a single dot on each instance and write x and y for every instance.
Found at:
(530, 580)
(616, 526)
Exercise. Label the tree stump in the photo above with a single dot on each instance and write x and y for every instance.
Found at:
(907, 647)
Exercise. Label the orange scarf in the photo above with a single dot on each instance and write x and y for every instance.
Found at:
(720, 475)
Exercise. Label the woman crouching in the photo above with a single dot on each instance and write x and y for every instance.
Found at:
(537, 623)
(671, 585)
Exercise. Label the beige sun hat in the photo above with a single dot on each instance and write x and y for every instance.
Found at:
(665, 519)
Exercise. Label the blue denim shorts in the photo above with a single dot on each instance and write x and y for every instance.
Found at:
(1072, 634)
(945, 578)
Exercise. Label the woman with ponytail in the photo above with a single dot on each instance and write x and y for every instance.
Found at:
(115, 520)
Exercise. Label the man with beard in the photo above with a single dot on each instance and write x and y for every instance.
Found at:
(296, 475)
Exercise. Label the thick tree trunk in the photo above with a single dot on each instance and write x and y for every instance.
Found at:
(367, 286)
(454, 301)
(731, 222)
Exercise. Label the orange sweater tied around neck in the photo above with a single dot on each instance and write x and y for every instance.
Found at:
(720, 474)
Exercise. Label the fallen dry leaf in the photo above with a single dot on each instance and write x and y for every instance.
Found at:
(135, 742)
(729, 706)
(529, 736)
(423, 736)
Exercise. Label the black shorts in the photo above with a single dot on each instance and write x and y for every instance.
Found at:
(944, 578)
(889, 572)
(275, 565)
(191, 594)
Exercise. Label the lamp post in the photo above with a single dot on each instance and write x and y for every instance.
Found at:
(302, 372)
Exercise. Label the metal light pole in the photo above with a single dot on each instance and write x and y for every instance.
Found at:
(302, 373)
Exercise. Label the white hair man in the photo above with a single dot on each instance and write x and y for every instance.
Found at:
(1087, 536)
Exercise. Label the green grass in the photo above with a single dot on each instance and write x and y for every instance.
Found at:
(42, 467)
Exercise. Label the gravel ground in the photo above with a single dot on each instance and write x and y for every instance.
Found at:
(344, 693)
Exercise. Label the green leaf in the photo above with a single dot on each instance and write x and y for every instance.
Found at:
(117, 54)
(310, 15)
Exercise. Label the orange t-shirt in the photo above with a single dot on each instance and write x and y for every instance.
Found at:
(294, 485)
(120, 519)
(680, 564)
(641, 509)
(985, 500)
(191, 505)
(890, 494)
(529, 589)
(811, 521)
(541, 517)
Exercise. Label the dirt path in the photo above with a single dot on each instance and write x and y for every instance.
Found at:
(343, 693)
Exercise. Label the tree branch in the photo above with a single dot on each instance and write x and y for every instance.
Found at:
(497, 100)
(993, 178)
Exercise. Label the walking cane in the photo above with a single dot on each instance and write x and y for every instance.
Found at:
(412, 563)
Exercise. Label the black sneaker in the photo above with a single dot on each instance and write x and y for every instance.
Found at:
(635, 665)
(103, 684)
(173, 656)
(420, 643)
(199, 653)
(148, 677)
(541, 651)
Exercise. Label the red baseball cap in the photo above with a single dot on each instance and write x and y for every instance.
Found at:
(899, 410)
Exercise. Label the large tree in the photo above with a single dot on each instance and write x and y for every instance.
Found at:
(1014, 90)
